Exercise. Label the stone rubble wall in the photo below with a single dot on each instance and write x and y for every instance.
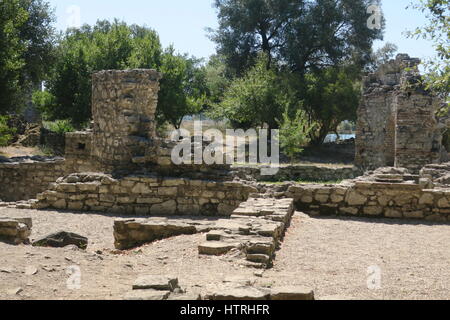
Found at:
(397, 123)
(78, 152)
(144, 195)
(374, 199)
(298, 173)
(418, 135)
(24, 180)
(123, 108)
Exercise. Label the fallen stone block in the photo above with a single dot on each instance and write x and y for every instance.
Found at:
(291, 293)
(132, 233)
(15, 230)
(215, 248)
(238, 294)
(259, 258)
(62, 239)
(156, 283)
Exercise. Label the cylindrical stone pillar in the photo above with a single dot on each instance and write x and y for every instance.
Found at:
(123, 108)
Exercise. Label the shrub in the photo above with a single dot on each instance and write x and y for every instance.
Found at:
(6, 132)
(60, 126)
(294, 133)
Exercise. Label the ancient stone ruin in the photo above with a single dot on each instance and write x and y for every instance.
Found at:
(397, 123)
(120, 166)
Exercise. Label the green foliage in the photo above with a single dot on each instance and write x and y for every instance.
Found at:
(6, 132)
(382, 56)
(117, 45)
(217, 79)
(26, 40)
(60, 126)
(183, 87)
(44, 102)
(12, 49)
(331, 96)
(314, 52)
(438, 32)
(294, 133)
(303, 34)
(256, 99)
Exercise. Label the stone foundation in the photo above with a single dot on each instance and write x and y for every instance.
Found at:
(255, 229)
(144, 195)
(24, 178)
(298, 173)
(388, 195)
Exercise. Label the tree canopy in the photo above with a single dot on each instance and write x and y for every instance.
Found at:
(116, 45)
(302, 34)
(26, 46)
(438, 32)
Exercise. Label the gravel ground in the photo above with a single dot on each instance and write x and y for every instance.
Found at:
(330, 255)
(333, 256)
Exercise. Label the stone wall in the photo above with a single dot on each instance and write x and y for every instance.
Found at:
(23, 179)
(123, 109)
(78, 152)
(396, 123)
(418, 137)
(388, 193)
(298, 173)
(144, 195)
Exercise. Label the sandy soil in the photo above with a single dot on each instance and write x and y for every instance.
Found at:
(330, 255)
(333, 256)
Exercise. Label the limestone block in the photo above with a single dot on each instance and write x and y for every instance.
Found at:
(291, 293)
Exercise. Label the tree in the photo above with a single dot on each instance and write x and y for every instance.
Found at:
(315, 53)
(248, 27)
(437, 31)
(217, 79)
(81, 52)
(116, 45)
(294, 132)
(39, 35)
(331, 96)
(26, 43)
(302, 34)
(183, 88)
(11, 53)
(382, 56)
(255, 100)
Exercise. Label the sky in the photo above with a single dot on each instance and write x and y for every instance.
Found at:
(183, 23)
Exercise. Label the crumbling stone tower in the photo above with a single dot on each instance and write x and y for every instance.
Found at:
(123, 108)
(397, 124)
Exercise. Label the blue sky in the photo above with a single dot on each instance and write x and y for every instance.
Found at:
(183, 22)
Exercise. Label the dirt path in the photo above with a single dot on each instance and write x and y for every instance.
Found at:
(330, 255)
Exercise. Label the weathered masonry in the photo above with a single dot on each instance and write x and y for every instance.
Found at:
(397, 123)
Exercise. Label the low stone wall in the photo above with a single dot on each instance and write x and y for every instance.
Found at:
(299, 173)
(24, 179)
(144, 195)
(255, 229)
(373, 199)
